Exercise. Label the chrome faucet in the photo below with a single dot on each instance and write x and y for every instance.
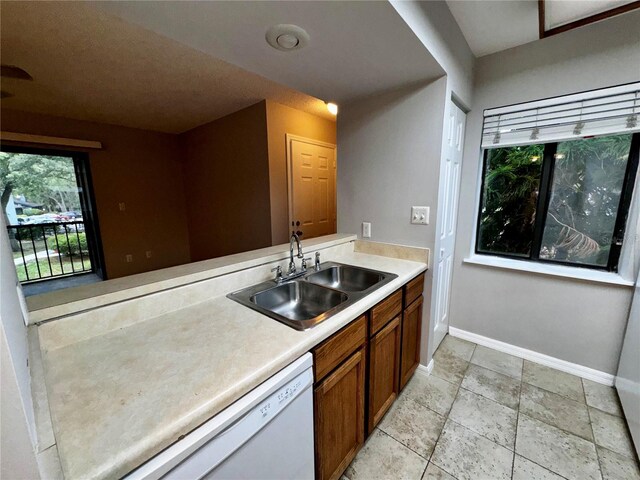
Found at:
(293, 271)
(292, 263)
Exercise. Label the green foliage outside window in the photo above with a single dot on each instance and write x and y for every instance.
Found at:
(74, 245)
(585, 189)
(511, 184)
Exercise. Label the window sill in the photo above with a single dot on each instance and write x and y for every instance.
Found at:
(554, 270)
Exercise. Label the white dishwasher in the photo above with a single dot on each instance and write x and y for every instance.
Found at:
(267, 434)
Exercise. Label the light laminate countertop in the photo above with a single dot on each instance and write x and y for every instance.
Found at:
(119, 398)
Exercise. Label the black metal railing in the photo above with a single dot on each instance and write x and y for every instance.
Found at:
(48, 250)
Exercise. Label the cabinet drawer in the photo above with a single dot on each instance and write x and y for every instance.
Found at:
(339, 346)
(413, 289)
(386, 310)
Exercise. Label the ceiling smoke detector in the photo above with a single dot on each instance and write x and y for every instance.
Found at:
(287, 37)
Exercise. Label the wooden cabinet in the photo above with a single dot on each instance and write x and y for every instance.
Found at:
(338, 347)
(411, 330)
(382, 347)
(339, 417)
(384, 362)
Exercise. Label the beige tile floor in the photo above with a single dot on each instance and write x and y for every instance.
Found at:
(483, 414)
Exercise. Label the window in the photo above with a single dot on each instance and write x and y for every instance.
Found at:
(564, 202)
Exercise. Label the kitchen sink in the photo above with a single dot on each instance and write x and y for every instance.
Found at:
(313, 296)
(299, 300)
(346, 278)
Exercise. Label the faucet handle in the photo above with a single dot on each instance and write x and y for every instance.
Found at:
(317, 264)
(278, 271)
(304, 262)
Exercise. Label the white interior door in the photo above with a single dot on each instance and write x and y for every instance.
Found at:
(449, 190)
(312, 187)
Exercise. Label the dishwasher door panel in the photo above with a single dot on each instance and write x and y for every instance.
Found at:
(290, 456)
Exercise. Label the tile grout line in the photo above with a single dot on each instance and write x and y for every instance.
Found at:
(515, 437)
(487, 398)
(496, 371)
(481, 435)
(553, 426)
(543, 467)
(448, 412)
(562, 429)
(522, 382)
(403, 444)
(476, 432)
(593, 434)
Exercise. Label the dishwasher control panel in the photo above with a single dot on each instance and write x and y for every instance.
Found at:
(290, 390)
(284, 395)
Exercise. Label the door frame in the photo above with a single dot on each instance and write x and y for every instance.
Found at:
(290, 138)
(84, 179)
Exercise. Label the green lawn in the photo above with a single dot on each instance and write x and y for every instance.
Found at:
(57, 267)
(27, 247)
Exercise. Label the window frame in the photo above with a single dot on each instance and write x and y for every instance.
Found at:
(544, 199)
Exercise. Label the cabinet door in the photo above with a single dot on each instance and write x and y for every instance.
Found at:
(411, 326)
(339, 417)
(384, 370)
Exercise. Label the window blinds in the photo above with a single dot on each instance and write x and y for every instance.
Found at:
(599, 112)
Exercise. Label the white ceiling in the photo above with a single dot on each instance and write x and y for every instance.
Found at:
(356, 48)
(491, 26)
(171, 66)
(89, 65)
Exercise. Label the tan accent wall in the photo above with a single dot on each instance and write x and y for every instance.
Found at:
(226, 178)
(215, 190)
(138, 167)
(280, 121)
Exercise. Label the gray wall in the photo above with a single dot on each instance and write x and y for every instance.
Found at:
(572, 320)
(17, 427)
(389, 149)
(434, 25)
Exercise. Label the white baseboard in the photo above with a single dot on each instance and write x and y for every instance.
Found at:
(546, 360)
(425, 370)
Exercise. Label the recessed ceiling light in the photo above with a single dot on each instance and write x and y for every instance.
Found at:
(332, 107)
(287, 37)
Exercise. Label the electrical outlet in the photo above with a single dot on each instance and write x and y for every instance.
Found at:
(420, 215)
(122, 207)
(128, 258)
(148, 253)
(366, 229)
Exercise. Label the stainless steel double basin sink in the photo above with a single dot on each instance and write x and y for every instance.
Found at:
(307, 300)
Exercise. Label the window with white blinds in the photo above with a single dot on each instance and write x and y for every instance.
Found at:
(599, 112)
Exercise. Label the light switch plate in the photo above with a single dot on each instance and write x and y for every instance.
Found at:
(420, 215)
(366, 229)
